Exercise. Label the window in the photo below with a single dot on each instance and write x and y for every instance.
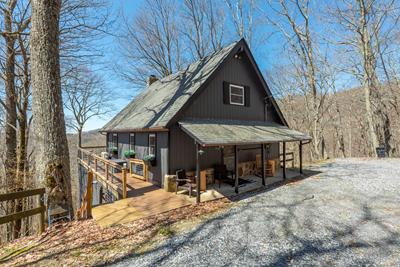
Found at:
(113, 144)
(152, 144)
(132, 141)
(236, 95)
(109, 141)
(115, 140)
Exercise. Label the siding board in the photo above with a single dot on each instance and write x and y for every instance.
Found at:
(210, 103)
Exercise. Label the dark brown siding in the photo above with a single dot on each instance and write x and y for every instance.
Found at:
(210, 104)
(123, 144)
(182, 150)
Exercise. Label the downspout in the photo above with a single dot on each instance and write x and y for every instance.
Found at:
(265, 108)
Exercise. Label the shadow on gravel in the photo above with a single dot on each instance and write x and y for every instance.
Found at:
(306, 174)
(294, 229)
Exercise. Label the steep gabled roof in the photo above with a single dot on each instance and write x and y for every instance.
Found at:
(158, 104)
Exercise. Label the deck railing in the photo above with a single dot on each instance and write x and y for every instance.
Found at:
(138, 169)
(289, 157)
(104, 171)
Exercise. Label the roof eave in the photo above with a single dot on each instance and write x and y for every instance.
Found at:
(138, 130)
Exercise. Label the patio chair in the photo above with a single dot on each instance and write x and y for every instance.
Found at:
(184, 181)
(223, 175)
(269, 167)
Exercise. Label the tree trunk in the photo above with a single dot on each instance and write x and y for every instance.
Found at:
(52, 155)
(11, 114)
(80, 137)
(369, 77)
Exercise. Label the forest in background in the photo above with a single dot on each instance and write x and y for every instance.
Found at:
(319, 49)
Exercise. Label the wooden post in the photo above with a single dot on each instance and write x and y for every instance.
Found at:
(42, 214)
(301, 156)
(292, 159)
(284, 160)
(124, 183)
(236, 170)
(89, 194)
(222, 155)
(263, 163)
(106, 170)
(95, 164)
(145, 170)
(197, 174)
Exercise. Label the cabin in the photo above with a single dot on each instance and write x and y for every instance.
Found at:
(219, 111)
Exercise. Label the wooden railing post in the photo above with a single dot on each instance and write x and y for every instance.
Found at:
(89, 194)
(95, 164)
(124, 182)
(106, 167)
(42, 214)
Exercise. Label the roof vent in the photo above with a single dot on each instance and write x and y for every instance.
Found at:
(151, 80)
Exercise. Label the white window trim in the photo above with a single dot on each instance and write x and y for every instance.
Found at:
(155, 143)
(130, 141)
(232, 94)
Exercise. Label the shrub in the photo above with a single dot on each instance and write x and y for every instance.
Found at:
(150, 157)
(130, 154)
(166, 231)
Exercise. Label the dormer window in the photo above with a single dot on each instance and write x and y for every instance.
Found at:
(236, 95)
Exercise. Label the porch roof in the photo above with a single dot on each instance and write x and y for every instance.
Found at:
(232, 132)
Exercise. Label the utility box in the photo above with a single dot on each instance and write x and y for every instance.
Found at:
(381, 152)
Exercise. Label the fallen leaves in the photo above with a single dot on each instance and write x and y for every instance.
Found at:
(84, 243)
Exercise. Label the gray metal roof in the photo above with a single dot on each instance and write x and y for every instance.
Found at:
(156, 105)
(226, 132)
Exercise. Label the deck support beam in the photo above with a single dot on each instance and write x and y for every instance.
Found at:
(236, 170)
(301, 157)
(284, 160)
(197, 174)
(263, 164)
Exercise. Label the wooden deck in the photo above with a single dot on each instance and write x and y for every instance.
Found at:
(143, 199)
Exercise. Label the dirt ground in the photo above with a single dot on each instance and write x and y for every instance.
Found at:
(84, 243)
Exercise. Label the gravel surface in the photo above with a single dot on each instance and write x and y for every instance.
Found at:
(347, 214)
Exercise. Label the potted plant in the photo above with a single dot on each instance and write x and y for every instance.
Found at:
(114, 151)
(130, 154)
(150, 159)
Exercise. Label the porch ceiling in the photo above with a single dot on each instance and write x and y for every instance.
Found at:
(230, 132)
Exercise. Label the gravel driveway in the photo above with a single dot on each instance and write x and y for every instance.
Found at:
(347, 215)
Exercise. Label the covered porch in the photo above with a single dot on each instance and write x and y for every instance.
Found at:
(241, 136)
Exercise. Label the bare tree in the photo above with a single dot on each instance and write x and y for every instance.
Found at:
(10, 102)
(367, 27)
(203, 27)
(302, 42)
(51, 146)
(85, 97)
(82, 24)
(242, 16)
(215, 18)
(151, 43)
(16, 22)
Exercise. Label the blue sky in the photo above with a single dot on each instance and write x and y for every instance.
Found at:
(266, 53)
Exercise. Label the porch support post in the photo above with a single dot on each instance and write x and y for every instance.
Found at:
(236, 170)
(197, 174)
(263, 163)
(284, 160)
(222, 155)
(301, 157)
